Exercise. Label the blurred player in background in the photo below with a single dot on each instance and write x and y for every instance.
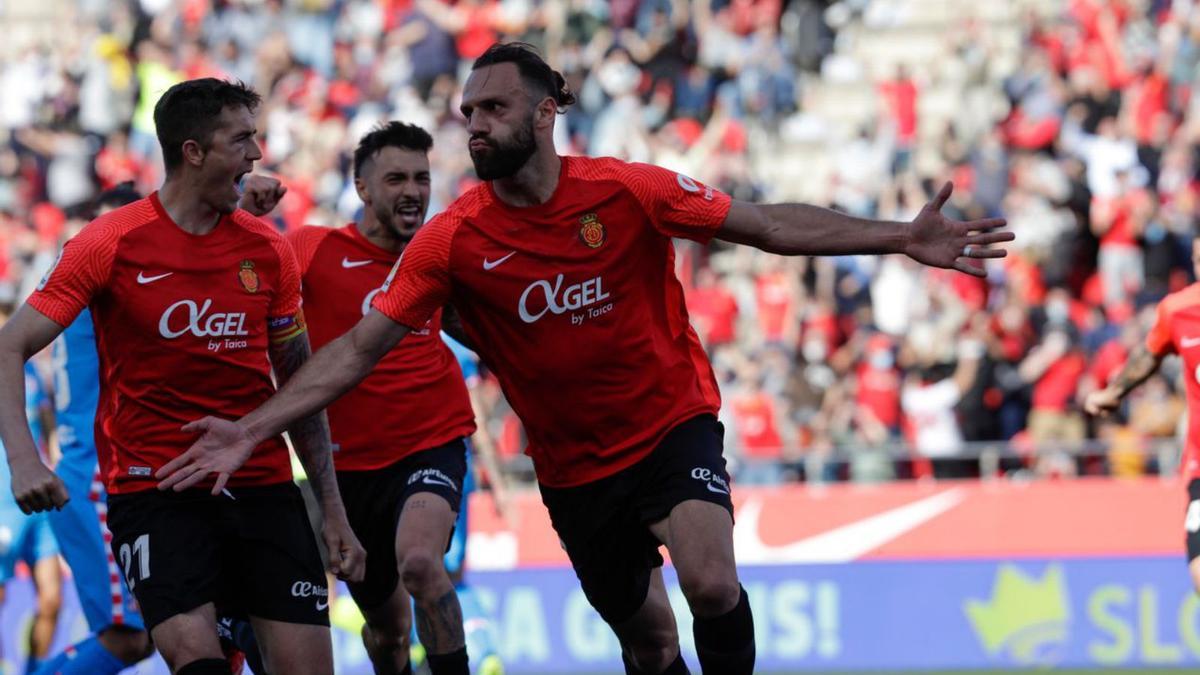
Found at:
(1176, 330)
(562, 269)
(28, 539)
(194, 302)
(401, 457)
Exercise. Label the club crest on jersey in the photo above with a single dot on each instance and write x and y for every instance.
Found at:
(592, 233)
(248, 276)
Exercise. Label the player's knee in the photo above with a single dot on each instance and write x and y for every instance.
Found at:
(711, 594)
(129, 646)
(386, 639)
(420, 571)
(652, 655)
(49, 602)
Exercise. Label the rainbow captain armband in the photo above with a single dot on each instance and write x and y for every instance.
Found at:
(283, 328)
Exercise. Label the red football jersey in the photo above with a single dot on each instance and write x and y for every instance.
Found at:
(1177, 329)
(415, 399)
(182, 326)
(575, 305)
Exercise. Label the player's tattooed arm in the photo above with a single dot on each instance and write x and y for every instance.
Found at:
(1138, 368)
(310, 435)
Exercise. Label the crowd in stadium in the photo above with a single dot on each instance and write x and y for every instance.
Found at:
(1082, 132)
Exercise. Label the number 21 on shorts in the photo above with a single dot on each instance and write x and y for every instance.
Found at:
(141, 551)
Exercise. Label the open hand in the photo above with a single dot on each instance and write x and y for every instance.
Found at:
(938, 241)
(222, 449)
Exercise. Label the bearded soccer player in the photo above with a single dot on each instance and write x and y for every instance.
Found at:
(193, 301)
(401, 460)
(562, 270)
(1176, 330)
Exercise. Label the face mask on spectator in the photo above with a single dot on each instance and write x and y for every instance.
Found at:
(882, 360)
(814, 351)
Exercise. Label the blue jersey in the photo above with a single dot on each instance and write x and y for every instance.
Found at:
(77, 389)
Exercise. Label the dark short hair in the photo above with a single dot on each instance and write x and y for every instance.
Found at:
(390, 135)
(116, 197)
(541, 78)
(189, 111)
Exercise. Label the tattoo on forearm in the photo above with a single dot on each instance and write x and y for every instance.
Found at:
(440, 624)
(1141, 365)
(310, 435)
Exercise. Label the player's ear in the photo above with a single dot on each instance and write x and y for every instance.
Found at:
(361, 188)
(547, 110)
(193, 152)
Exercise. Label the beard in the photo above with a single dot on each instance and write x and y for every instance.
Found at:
(505, 159)
(394, 223)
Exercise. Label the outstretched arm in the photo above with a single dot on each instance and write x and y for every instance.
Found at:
(331, 372)
(1140, 366)
(801, 229)
(34, 486)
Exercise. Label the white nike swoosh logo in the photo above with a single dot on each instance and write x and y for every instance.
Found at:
(1189, 342)
(322, 606)
(438, 481)
(348, 263)
(712, 488)
(143, 279)
(842, 544)
(492, 264)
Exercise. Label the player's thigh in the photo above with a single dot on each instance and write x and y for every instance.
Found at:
(430, 501)
(302, 649)
(699, 536)
(611, 550)
(188, 636)
(168, 548)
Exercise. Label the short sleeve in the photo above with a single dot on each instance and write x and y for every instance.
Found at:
(419, 283)
(1158, 341)
(678, 206)
(82, 269)
(304, 243)
(287, 295)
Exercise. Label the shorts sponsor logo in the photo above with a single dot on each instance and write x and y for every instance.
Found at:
(711, 479)
(432, 477)
(559, 300)
(139, 471)
(306, 589)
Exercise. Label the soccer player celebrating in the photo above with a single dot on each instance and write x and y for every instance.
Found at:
(193, 303)
(1176, 330)
(562, 271)
(119, 637)
(401, 460)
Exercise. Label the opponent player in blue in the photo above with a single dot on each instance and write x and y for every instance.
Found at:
(27, 538)
(477, 623)
(119, 637)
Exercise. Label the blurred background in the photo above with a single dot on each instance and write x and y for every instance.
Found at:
(908, 444)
